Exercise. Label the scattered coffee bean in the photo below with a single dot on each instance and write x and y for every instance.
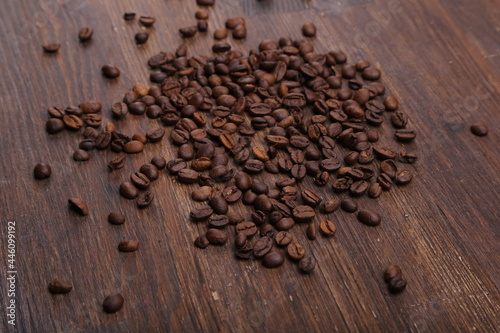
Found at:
(479, 129)
(85, 34)
(273, 259)
(309, 30)
(42, 171)
(391, 272)
(81, 155)
(327, 228)
(78, 205)
(349, 205)
(295, 251)
(133, 147)
(145, 199)
(128, 246)
(51, 48)
(128, 190)
(404, 177)
(201, 242)
(369, 217)
(307, 264)
(217, 236)
(147, 21)
(129, 16)
(54, 125)
(116, 218)
(59, 287)
(113, 303)
(311, 231)
(141, 37)
(397, 285)
(110, 71)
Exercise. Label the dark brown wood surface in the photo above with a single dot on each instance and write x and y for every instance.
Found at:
(440, 58)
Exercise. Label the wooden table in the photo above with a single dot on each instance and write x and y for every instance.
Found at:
(440, 58)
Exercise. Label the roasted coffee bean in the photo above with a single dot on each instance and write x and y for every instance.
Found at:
(385, 153)
(259, 187)
(119, 109)
(327, 228)
(385, 181)
(391, 103)
(479, 129)
(240, 240)
(283, 238)
(303, 213)
(218, 221)
(349, 205)
(81, 155)
(404, 177)
(369, 217)
(216, 236)
(219, 204)
(117, 162)
(262, 247)
(392, 272)
(140, 180)
(295, 251)
(249, 197)
(330, 165)
(116, 218)
(113, 303)
(133, 147)
(51, 48)
(267, 230)
(307, 264)
(128, 190)
(42, 171)
(110, 71)
(87, 144)
(205, 2)
(187, 176)
(159, 162)
(201, 14)
(147, 21)
(263, 203)
(203, 193)
(253, 166)
(407, 157)
(405, 135)
(330, 206)
(309, 30)
(311, 198)
(201, 242)
(150, 171)
(176, 165)
(103, 140)
(220, 34)
(201, 213)
(249, 229)
(298, 171)
(78, 205)
(59, 287)
(273, 259)
(370, 73)
(311, 231)
(188, 32)
(397, 285)
(141, 37)
(129, 16)
(54, 125)
(240, 31)
(231, 194)
(359, 188)
(375, 190)
(399, 119)
(85, 34)
(72, 122)
(128, 246)
(243, 181)
(389, 168)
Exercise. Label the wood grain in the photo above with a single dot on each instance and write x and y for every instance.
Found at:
(440, 58)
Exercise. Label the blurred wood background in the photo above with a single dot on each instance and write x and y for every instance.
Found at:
(439, 57)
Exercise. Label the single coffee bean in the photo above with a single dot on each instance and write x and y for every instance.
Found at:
(116, 218)
(375, 190)
(145, 199)
(327, 228)
(283, 238)
(389, 168)
(129, 16)
(349, 205)
(201, 242)
(159, 162)
(201, 14)
(218, 221)
(42, 171)
(397, 285)
(330, 206)
(113, 303)
(369, 217)
(311, 198)
(404, 177)
(203, 193)
(231, 194)
(392, 272)
(311, 231)
(359, 188)
(240, 31)
(205, 2)
(391, 103)
(140, 180)
(405, 135)
(128, 190)
(240, 241)
(399, 119)
(81, 155)
(188, 32)
(201, 213)
(385, 181)
(220, 34)
(273, 259)
(150, 171)
(51, 48)
(54, 125)
(133, 147)
(59, 287)
(78, 205)
(85, 34)
(295, 251)
(247, 228)
(216, 236)
(307, 264)
(128, 246)
(479, 129)
(110, 71)
(267, 230)
(72, 122)
(309, 30)
(147, 21)
(219, 204)
(117, 162)
(262, 247)
(141, 37)
(303, 213)
(407, 157)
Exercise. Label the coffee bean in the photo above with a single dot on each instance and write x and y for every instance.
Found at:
(370, 73)
(129, 16)
(391, 103)
(42, 171)
(219, 204)
(128, 190)
(201, 14)
(349, 205)
(311, 198)
(147, 21)
(85, 34)
(216, 236)
(113, 303)
(188, 31)
(309, 30)
(187, 176)
(240, 31)
(327, 228)
(392, 272)
(150, 171)
(307, 264)
(155, 134)
(359, 188)
(262, 247)
(140, 180)
(81, 155)
(54, 125)
(283, 238)
(397, 285)
(117, 162)
(201, 213)
(220, 34)
(273, 259)
(369, 217)
(479, 129)
(375, 190)
(247, 228)
(133, 147)
(128, 246)
(201, 242)
(72, 122)
(389, 168)
(407, 157)
(141, 37)
(295, 251)
(330, 206)
(59, 287)
(159, 162)
(385, 181)
(404, 177)
(399, 119)
(116, 218)
(78, 205)
(205, 2)
(51, 48)
(110, 71)
(203, 193)
(311, 231)
(405, 135)
(303, 213)
(231, 194)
